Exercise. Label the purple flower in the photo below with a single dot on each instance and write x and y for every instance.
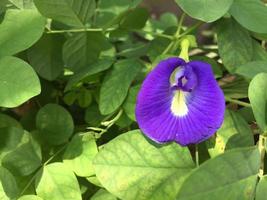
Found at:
(180, 102)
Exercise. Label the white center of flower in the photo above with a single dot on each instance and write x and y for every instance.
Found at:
(178, 104)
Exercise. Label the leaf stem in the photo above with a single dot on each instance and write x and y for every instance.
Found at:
(197, 155)
(241, 103)
(261, 146)
(79, 30)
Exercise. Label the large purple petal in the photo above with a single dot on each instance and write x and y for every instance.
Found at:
(205, 104)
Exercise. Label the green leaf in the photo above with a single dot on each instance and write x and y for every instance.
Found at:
(261, 192)
(251, 69)
(8, 185)
(30, 197)
(71, 12)
(23, 4)
(252, 14)
(131, 167)
(57, 182)
(116, 84)
(259, 53)
(98, 66)
(135, 19)
(237, 88)
(129, 104)
(7, 121)
(84, 98)
(18, 82)
(24, 160)
(80, 153)
(103, 195)
(258, 99)
(232, 175)
(234, 133)
(46, 56)
(83, 49)
(207, 11)
(20, 29)
(93, 116)
(234, 43)
(55, 124)
(10, 139)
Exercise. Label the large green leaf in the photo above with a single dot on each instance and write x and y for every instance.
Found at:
(8, 185)
(258, 99)
(103, 195)
(251, 14)
(235, 132)
(54, 123)
(132, 167)
(24, 160)
(71, 12)
(18, 82)
(99, 66)
(80, 153)
(235, 44)
(232, 175)
(208, 10)
(30, 197)
(251, 69)
(46, 56)
(57, 182)
(237, 88)
(261, 191)
(23, 4)
(82, 49)
(116, 84)
(20, 29)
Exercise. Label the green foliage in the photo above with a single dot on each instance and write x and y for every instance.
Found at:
(54, 123)
(70, 74)
(127, 167)
(18, 83)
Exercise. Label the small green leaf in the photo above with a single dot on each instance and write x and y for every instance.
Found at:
(251, 14)
(261, 191)
(79, 155)
(93, 116)
(251, 69)
(54, 123)
(132, 167)
(235, 132)
(258, 99)
(235, 44)
(238, 88)
(135, 19)
(83, 49)
(24, 160)
(207, 11)
(103, 195)
(46, 56)
(30, 197)
(129, 104)
(8, 186)
(73, 13)
(18, 82)
(94, 68)
(84, 98)
(232, 175)
(116, 84)
(7, 121)
(57, 182)
(20, 29)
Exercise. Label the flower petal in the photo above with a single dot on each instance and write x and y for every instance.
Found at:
(155, 112)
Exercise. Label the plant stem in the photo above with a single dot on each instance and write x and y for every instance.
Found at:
(261, 146)
(241, 103)
(197, 155)
(79, 30)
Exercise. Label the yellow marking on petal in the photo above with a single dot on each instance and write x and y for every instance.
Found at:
(178, 105)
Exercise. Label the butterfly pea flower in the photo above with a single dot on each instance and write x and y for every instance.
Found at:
(180, 101)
